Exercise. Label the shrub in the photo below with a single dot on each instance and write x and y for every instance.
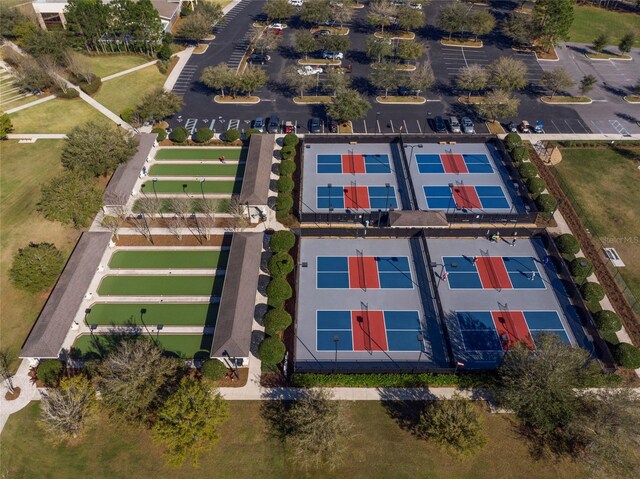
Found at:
(627, 355)
(592, 292)
(231, 135)
(282, 241)
(568, 244)
(70, 94)
(214, 369)
(36, 267)
(91, 88)
(161, 132)
(287, 167)
(578, 270)
(275, 303)
(280, 265)
(287, 152)
(128, 114)
(284, 203)
(607, 321)
(179, 135)
(49, 371)
(528, 170)
(165, 51)
(546, 203)
(285, 184)
(271, 350)
(163, 66)
(279, 289)
(276, 321)
(203, 135)
(535, 186)
(290, 139)
(520, 154)
(249, 132)
(512, 140)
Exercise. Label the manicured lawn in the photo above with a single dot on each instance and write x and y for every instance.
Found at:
(201, 153)
(380, 449)
(194, 187)
(56, 116)
(604, 183)
(105, 65)
(161, 285)
(173, 169)
(185, 346)
(188, 314)
(24, 168)
(221, 205)
(169, 259)
(589, 22)
(127, 91)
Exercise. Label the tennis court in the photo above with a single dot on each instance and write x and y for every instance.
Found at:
(184, 346)
(356, 197)
(199, 153)
(363, 272)
(353, 164)
(169, 259)
(190, 169)
(446, 197)
(492, 272)
(190, 187)
(168, 314)
(167, 285)
(454, 163)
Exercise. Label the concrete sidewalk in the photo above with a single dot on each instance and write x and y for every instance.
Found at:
(130, 70)
(36, 136)
(184, 57)
(29, 105)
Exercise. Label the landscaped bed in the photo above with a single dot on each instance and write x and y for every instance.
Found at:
(201, 153)
(185, 346)
(166, 285)
(196, 170)
(169, 259)
(193, 187)
(183, 314)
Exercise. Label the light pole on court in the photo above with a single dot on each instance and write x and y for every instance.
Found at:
(202, 180)
(336, 340)
(155, 193)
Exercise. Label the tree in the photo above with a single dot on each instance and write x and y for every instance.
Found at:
(95, 150)
(158, 105)
(301, 83)
(79, 67)
(276, 320)
(315, 11)
(280, 265)
(556, 80)
(282, 241)
(305, 43)
(66, 411)
(341, 14)
(335, 81)
(385, 77)
(266, 41)
(520, 28)
(253, 78)
(10, 18)
(6, 358)
(481, 23)
(194, 28)
(6, 126)
(70, 199)
(377, 48)
(409, 18)
(208, 207)
(188, 424)
(508, 73)
(601, 41)
(453, 18)
(133, 379)
(422, 78)
(454, 423)
(381, 14)
(498, 104)
(89, 19)
(238, 212)
(211, 11)
(553, 19)
(36, 267)
(31, 76)
(214, 369)
(410, 49)
(348, 105)
(335, 43)
(587, 83)
(472, 78)
(278, 10)
(626, 43)
(218, 77)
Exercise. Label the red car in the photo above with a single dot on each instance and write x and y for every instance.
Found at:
(289, 127)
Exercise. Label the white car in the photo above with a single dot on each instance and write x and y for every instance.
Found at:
(415, 6)
(308, 70)
(296, 3)
(327, 55)
(277, 26)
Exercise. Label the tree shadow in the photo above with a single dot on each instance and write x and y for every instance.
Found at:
(404, 411)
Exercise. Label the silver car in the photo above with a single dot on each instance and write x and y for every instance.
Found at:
(454, 124)
(467, 126)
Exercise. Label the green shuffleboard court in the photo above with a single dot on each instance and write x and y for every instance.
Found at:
(169, 285)
(185, 346)
(169, 259)
(189, 169)
(192, 187)
(168, 314)
(199, 153)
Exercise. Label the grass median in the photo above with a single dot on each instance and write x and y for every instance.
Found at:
(172, 169)
(168, 314)
(167, 285)
(184, 346)
(193, 187)
(169, 259)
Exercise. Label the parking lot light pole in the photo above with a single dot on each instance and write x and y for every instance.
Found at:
(411, 155)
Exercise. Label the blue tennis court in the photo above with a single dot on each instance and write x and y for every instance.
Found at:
(492, 272)
(329, 163)
(454, 163)
(356, 197)
(478, 163)
(362, 272)
(348, 163)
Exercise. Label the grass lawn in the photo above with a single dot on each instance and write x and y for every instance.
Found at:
(105, 65)
(604, 183)
(184, 346)
(201, 153)
(56, 116)
(128, 90)
(24, 169)
(589, 22)
(188, 314)
(169, 259)
(173, 169)
(221, 205)
(161, 285)
(380, 449)
(194, 187)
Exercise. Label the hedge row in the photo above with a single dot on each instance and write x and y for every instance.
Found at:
(282, 241)
(271, 350)
(280, 265)
(285, 184)
(399, 380)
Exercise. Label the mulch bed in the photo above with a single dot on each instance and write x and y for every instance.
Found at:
(171, 240)
(230, 381)
(14, 395)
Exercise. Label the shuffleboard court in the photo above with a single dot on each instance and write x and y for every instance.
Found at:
(169, 314)
(201, 154)
(184, 346)
(193, 187)
(173, 169)
(169, 259)
(161, 286)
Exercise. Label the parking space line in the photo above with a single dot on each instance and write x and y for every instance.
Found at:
(419, 127)
(567, 123)
(378, 122)
(365, 126)
(405, 126)
(392, 129)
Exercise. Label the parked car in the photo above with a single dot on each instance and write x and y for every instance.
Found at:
(328, 55)
(277, 26)
(405, 91)
(439, 125)
(539, 128)
(288, 127)
(308, 70)
(273, 124)
(296, 3)
(315, 125)
(512, 127)
(525, 127)
(454, 124)
(322, 33)
(467, 125)
(415, 6)
(259, 58)
(258, 124)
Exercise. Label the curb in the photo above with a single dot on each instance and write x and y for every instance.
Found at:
(566, 102)
(445, 43)
(626, 58)
(419, 101)
(237, 102)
